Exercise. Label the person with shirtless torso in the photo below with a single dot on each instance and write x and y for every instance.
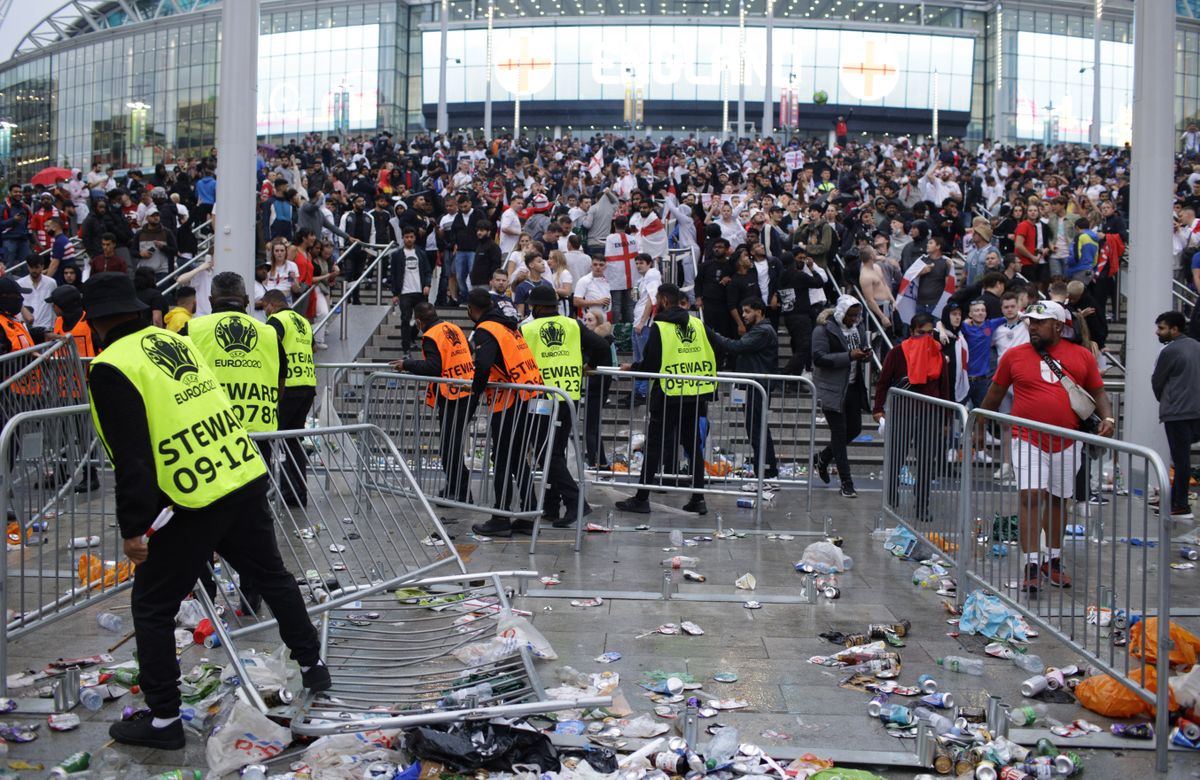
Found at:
(875, 287)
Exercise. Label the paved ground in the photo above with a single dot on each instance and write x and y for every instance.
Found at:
(767, 648)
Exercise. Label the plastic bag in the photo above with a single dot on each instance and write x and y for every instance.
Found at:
(987, 615)
(487, 652)
(902, 543)
(823, 557)
(473, 745)
(345, 756)
(1105, 695)
(247, 737)
(190, 613)
(95, 573)
(1185, 646)
(263, 670)
(516, 628)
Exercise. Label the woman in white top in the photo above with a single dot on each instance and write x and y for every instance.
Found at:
(283, 274)
(563, 281)
(515, 263)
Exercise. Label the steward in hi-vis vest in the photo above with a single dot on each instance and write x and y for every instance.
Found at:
(246, 355)
(299, 390)
(561, 347)
(176, 444)
(446, 353)
(14, 336)
(677, 346)
(71, 323)
(501, 355)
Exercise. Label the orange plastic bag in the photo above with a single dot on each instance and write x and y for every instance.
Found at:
(94, 573)
(1185, 646)
(1105, 695)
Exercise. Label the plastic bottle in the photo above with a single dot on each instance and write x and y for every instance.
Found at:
(112, 765)
(721, 748)
(111, 622)
(1028, 714)
(478, 692)
(91, 698)
(677, 538)
(957, 663)
(924, 577)
(1029, 662)
(939, 723)
(572, 676)
(681, 562)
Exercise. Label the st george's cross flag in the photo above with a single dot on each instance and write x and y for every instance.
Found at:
(906, 299)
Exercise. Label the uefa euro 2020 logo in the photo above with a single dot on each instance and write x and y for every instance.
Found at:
(172, 356)
(553, 334)
(234, 334)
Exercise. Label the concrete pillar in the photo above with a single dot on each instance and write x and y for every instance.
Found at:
(1149, 290)
(1094, 135)
(443, 115)
(237, 129)
(768, 121)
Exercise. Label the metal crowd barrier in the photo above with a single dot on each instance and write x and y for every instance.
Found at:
(65, 553)
(923, 489)
(44, 376)
(714, 430)
(465, 456)
(1116, 577)
(409, 635)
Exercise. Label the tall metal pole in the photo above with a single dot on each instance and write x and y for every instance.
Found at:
(724, 99)
(1150, 212)
(1094, 136)
(741, 70)
(517, 120)
(768, 120)
(443, 115)
(937, 79)
(237, 112)
(487, 86)
(998, 102)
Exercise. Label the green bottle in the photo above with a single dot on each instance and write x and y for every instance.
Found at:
(76, 762)
(180, 774)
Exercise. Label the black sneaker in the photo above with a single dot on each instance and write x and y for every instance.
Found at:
(522, 527)
(550, 515)
(317, 678)
(139, 730)
(848, 491)
(496, 526)
(696, 504)
(821, 468)
(639, 506)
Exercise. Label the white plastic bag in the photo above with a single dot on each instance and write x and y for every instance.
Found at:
(264, 670)
(345, 756)
(191, 612)
(823, 557)
(247, 737)
(518, 629)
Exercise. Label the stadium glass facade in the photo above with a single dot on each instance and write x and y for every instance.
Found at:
(128, 89)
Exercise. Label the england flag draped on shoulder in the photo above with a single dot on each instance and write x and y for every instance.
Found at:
(906, 300)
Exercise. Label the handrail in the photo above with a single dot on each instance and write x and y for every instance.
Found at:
(73, 241)
(202, 252)
(868, 315)
(1184, 294)
(296, 304)
(340, 307)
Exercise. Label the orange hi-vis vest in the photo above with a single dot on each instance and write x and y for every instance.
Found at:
(456, 361)
(519, 366)
(82, 333)
(18, 339)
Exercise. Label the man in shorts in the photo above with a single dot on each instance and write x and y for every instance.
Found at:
(1046, 464)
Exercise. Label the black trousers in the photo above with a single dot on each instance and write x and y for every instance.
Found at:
(844, 427)
(293, 411)
(800, 327)
(673, 424)
(242, 532)
(1181, 435)
(510, 448)
(352, 263)
(755, 419)
(455, 417)
(561, 487)
(593, 405)
(406, 303)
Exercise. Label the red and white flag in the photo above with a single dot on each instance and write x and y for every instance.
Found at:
(906, 300)
(596, 163)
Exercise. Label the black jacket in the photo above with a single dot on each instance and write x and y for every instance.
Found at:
(424, 269)
(487, 260)
(757, 352)
(464, 230)
(487, 349)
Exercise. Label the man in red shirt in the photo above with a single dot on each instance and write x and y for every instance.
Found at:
(1031, 242)
(1046, 464)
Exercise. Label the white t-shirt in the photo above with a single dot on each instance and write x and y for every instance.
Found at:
(764, 279)
(619, 251)
(259, 292)
(281, 278)
(579, 263)
(591, 288)
(564, 277)
(412, 272)
(515, 265)
(647, 292)
(38, 301)
(509, 221)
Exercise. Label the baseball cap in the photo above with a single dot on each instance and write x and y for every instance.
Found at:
(67, 297)
(1045, 310)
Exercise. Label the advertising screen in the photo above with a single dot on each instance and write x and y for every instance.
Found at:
(307, 78)
(701, 62)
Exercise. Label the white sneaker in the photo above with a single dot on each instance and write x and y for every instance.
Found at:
(1005, 473)
(983, 457)
(320, 345)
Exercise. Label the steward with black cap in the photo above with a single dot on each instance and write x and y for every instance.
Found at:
(68, 305)
(559, 345)
(14, 335)
(175, 441)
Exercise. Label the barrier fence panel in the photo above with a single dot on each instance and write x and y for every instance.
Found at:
(64, 549)
(1095, 572)
(922, 468)
(466, 456)
(46, 376)
(708, 443)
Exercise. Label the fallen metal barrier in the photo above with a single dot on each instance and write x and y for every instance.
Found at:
(410, 637)
(1108, 575)
(923, 489)
(65, 553)
(712, 430)
(465, 456)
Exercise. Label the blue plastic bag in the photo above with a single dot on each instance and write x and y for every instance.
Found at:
(987, 615)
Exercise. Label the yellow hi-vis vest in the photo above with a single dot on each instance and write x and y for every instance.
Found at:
(244, 354)
(201, 451)
(555, 344)
(685, 350)
(298, 346)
